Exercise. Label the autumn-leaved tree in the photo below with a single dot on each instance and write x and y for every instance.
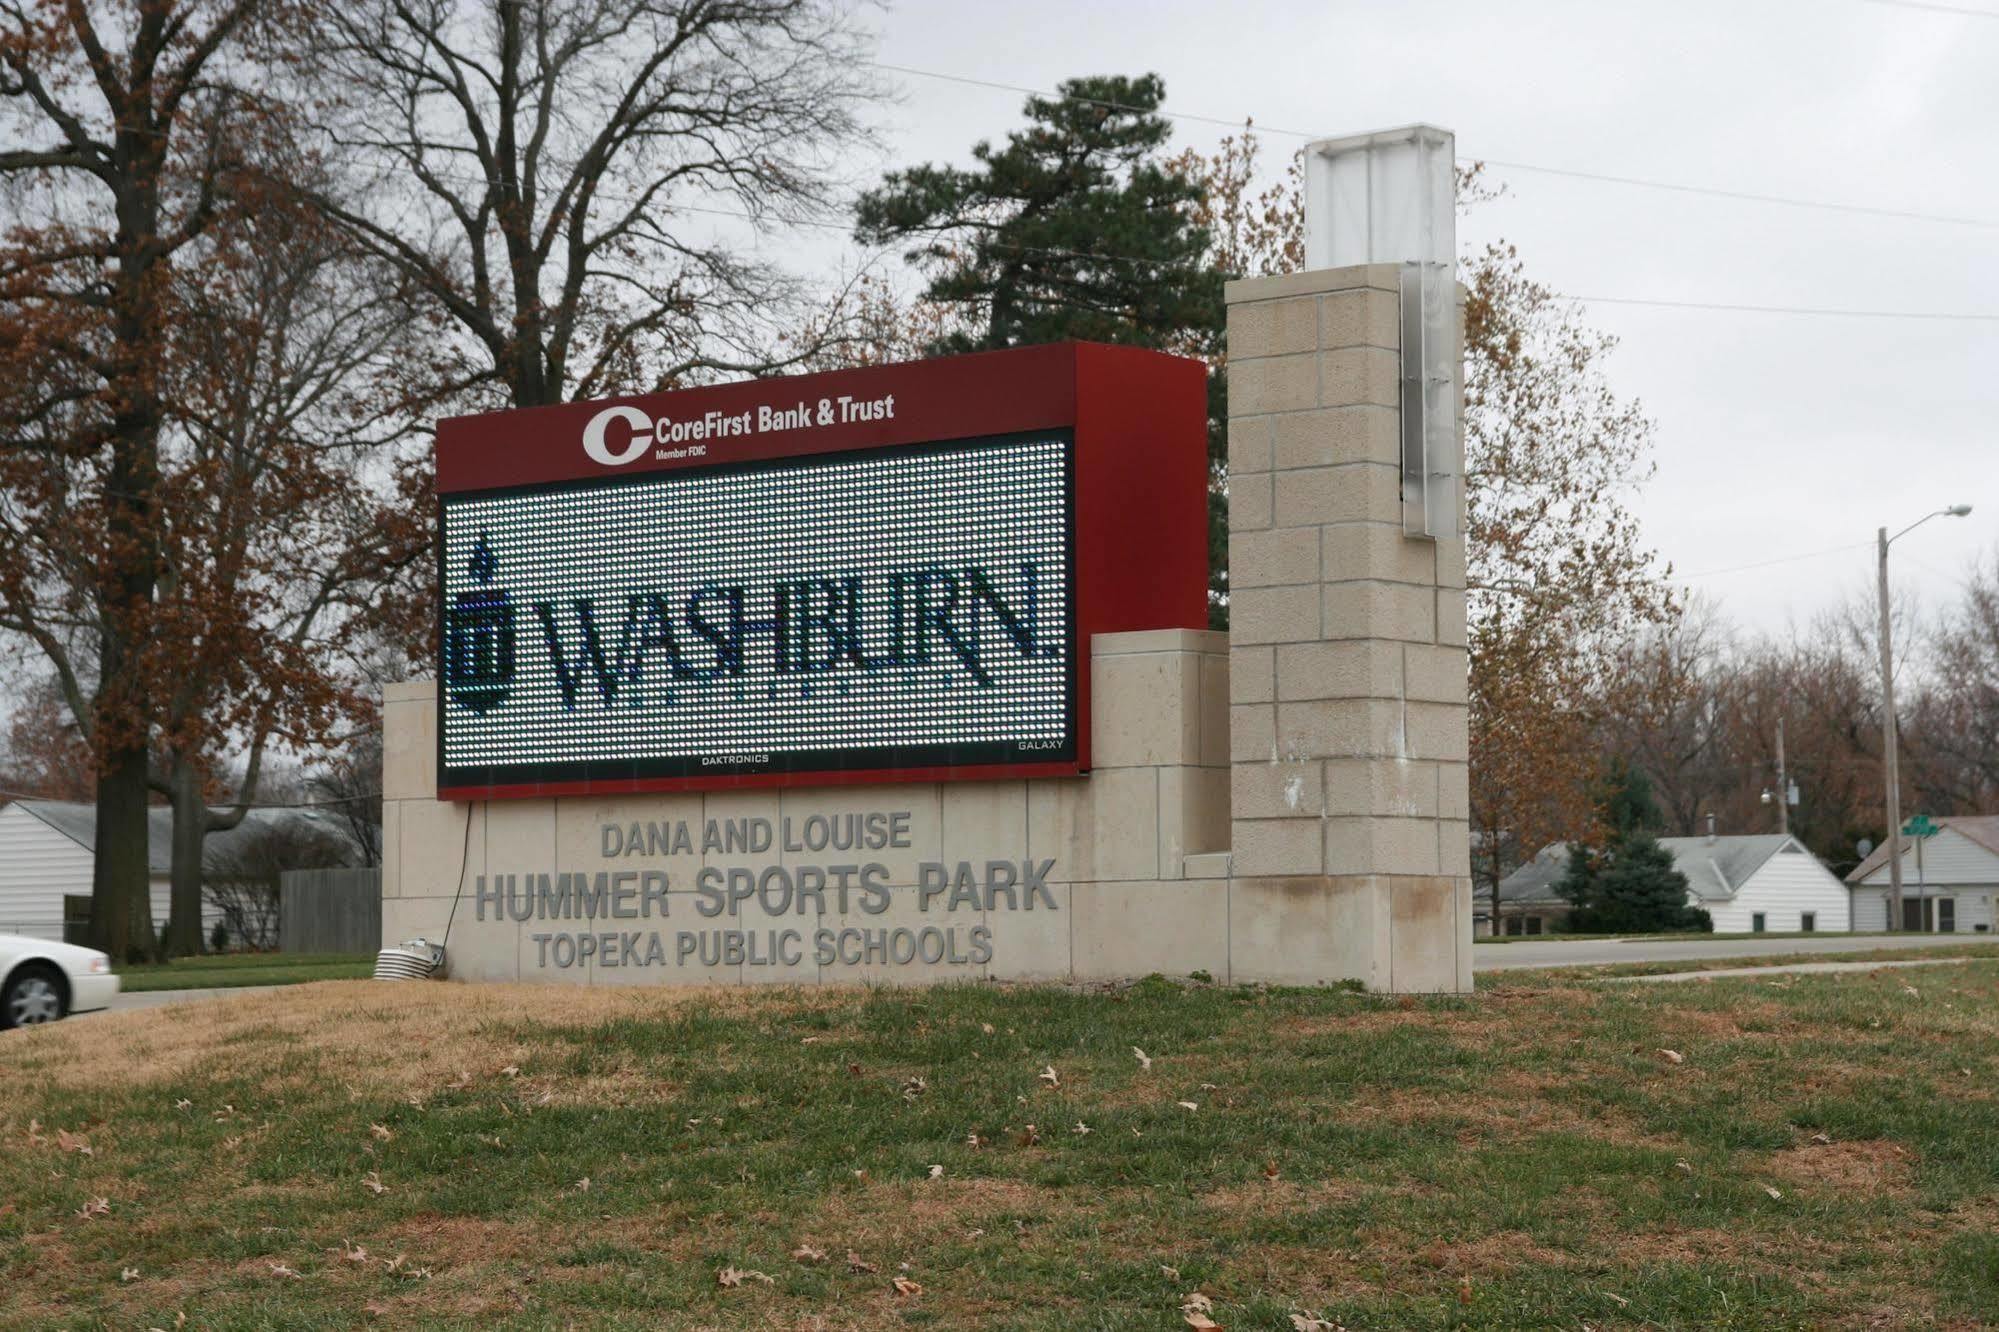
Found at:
(121, 125)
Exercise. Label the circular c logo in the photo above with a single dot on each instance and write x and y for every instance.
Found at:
(593, 435)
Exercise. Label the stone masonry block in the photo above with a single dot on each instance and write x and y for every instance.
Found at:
(1454, 847)
(1313, 282)
(1249, 443)
(1252, 732)
(1437, 731)
(1252, 674)
(1273, 328)
(1361, 318)
(1352, 669)
(1359, 374)
(1381, 846)
(1454, 791)
(1274, 614)
(1145, 709)
(1337, 728)
(1250, 501)
(1214, 710)
(1278, 557)
(1274, 384)
(1450, 561)
(1276, 846)
(1276, 790)
(1349, 493)
(1435, 674)
(1452, 628)
(1396, 611)
(1378, 551)
(1388, 787)
(1335, 436)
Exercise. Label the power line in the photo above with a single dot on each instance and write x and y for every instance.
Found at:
(1640, 182)
(1781, 559)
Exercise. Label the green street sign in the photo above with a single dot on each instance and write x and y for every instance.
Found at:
(1920, 826)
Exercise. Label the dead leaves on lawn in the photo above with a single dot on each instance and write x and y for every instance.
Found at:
(731, 1278)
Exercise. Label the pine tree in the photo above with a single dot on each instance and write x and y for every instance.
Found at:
(1076, 228)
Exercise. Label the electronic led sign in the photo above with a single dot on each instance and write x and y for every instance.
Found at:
(862, 610)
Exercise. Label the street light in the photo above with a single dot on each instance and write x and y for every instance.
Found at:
(1891, 775)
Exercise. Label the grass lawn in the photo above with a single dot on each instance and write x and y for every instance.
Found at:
(228, 969)
(1823, 1152)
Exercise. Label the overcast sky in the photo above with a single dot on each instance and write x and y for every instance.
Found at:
(1778, 434)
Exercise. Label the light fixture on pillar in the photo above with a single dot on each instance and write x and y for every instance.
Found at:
(1391, 198)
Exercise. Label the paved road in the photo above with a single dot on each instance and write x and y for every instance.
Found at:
(156, 998)
(1694, 948)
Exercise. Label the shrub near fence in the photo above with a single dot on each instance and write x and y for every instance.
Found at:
(330, 911)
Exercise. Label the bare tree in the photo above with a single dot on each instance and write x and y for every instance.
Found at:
(547, 173)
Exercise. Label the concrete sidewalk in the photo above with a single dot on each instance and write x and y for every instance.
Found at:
(160, 998)
(1557, 952)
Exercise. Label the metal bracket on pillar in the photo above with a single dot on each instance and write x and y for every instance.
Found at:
(1390, 197)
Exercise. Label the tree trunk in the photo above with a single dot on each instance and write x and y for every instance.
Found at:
(121, 912)
(183, 936)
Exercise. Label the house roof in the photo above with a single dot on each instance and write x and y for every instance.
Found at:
(78, 822)
(1715, 869)
(1980, 828)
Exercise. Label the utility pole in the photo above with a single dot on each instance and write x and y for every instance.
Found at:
(1783, 785)
(1890, 777)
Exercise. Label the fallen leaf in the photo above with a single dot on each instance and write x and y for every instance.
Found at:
(1313, 1323)
(1673, 1056)
(1773, 1191)
(913, 1088)
(382, 1132)
(1144, 1059)
(805, 1253)
(1822, 1139)
(975, 1234)
(732, 1277)
(1683, 1167)
(904, 1286)
(986, 1027)
(583, 1184)
(1270, 1171)
(1910, 989)
(1048, 1076)
(974, 1141)
(1030, 1137)
(937, 1172)
(1196, 1303)
(1081, 1129)
(511, 1071)
(95, 1207)
(128, 1274)
(73, 1142)
(1622, 1303)
(279, 1269)
(352, 1252)
(372, 1181)
(1170, 1273)
(1209, 1086)
(1187, 1105)
(183, 1105)
(1200, 1321)
(856, 1265)
(1464, 1290)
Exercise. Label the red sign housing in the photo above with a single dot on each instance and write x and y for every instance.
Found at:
(1135, 422)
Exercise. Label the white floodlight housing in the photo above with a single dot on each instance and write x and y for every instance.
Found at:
(1390, 198)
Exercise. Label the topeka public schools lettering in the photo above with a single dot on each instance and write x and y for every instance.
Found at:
(762, 900)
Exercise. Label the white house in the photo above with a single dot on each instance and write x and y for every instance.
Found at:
(1950, 888)
(1748, 885)
(47, 848)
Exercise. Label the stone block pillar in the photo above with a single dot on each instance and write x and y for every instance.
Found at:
(1347, 661)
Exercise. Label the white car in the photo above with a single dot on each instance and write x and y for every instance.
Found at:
(41, 981)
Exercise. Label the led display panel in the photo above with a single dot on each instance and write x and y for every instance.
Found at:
(856, 611)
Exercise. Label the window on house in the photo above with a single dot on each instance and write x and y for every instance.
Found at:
(1808, 922)
(1513, 925)
(1756, 923)
(1947, 915)
(1533, 925)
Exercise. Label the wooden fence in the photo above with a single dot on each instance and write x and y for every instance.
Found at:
(330, 911)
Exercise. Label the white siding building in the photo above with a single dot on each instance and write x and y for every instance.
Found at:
(1748, 885)
(47, 853)
(1952, 891)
